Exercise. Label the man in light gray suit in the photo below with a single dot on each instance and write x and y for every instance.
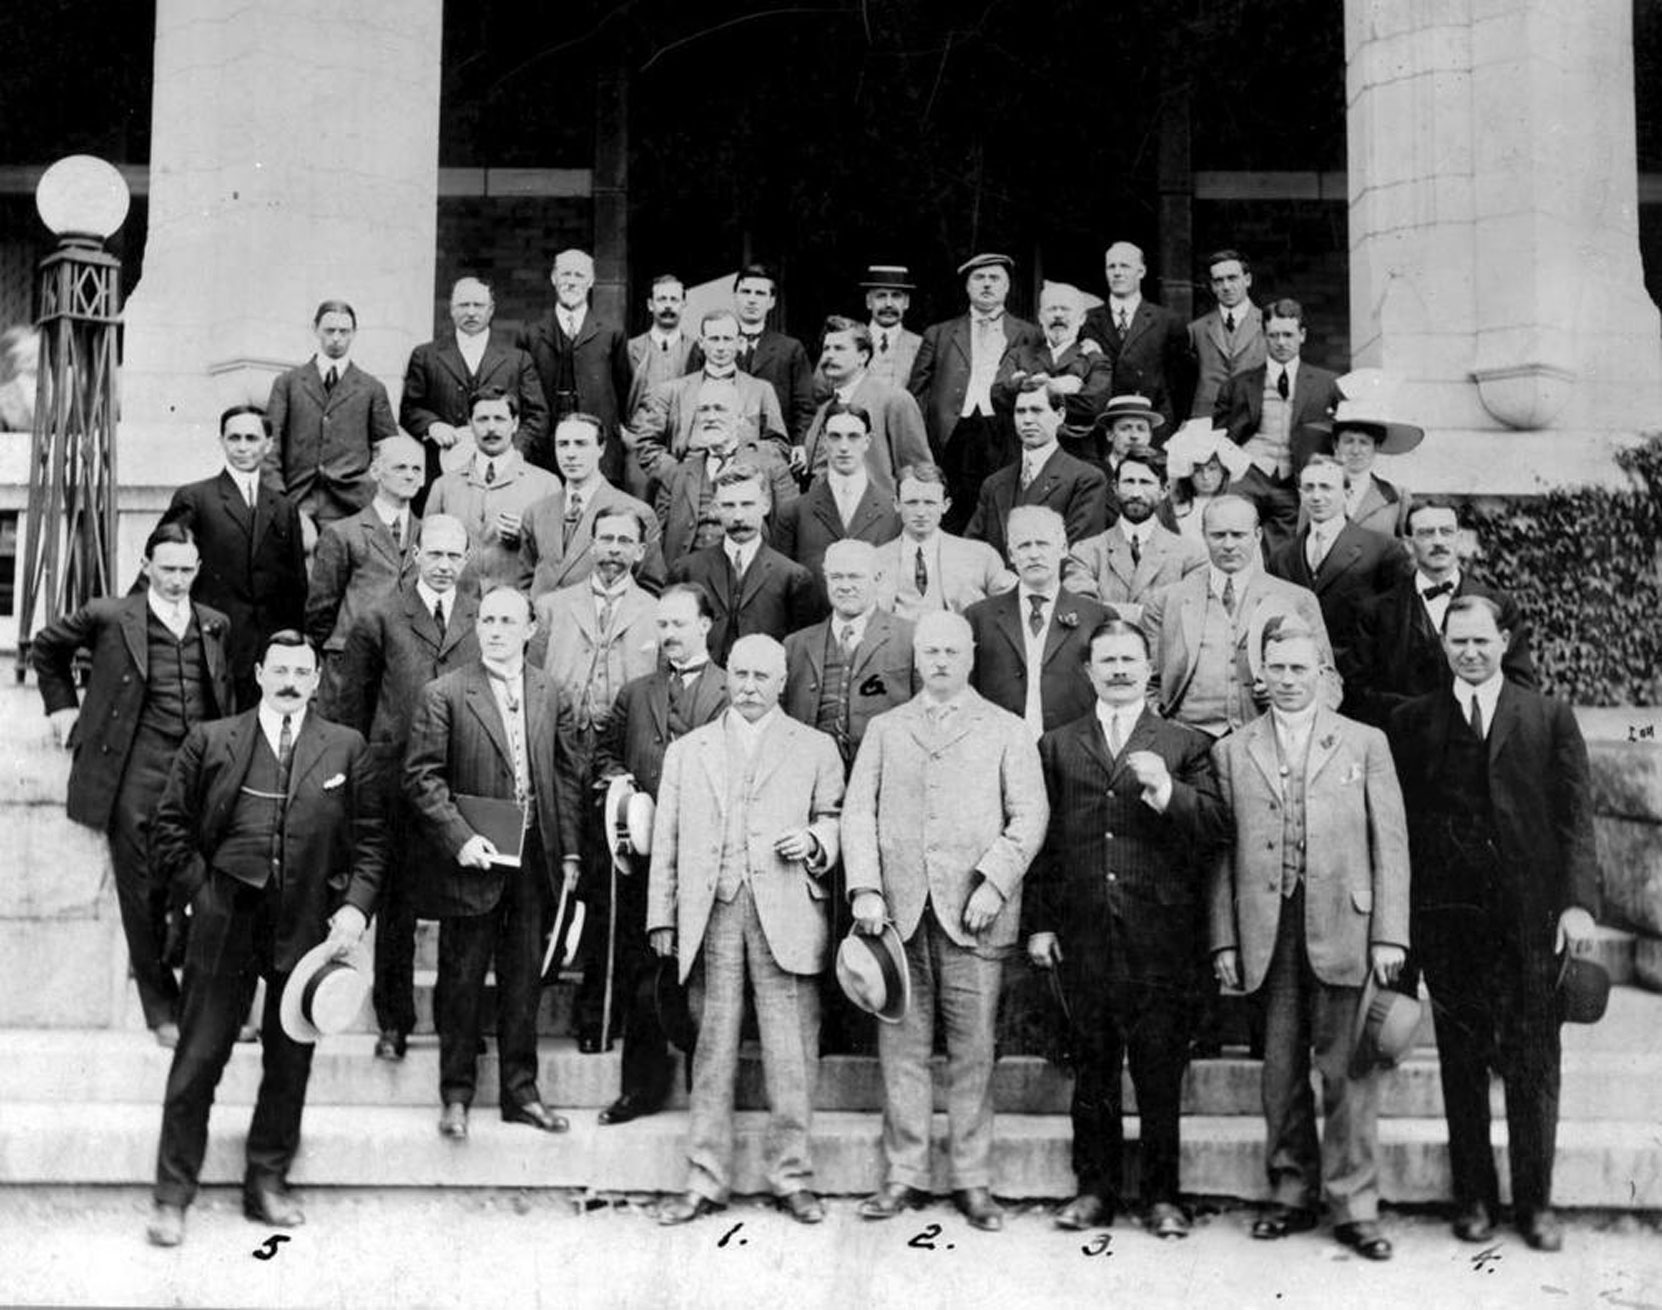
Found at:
(893, 418)
(1230, 339)
(925, 569)
(1138, 555)
(946, 809)
(745, 831)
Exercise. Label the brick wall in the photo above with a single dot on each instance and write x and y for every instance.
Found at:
(511, 244)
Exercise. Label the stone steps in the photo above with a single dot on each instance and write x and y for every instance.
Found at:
(1598, 1164)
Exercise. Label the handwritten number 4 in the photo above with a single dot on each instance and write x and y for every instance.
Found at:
(268, 1248)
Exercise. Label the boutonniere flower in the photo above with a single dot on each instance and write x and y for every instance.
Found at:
(1327, 742)
(1068, 620)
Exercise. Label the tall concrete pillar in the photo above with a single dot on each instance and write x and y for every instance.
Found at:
(1494, 234)
(294, 157)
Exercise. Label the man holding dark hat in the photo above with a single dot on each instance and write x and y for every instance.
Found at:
(271, 827)
(1495, 778)
(888, 289)
(952, 380)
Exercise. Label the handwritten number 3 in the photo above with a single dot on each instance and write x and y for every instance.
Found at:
(925, 1241)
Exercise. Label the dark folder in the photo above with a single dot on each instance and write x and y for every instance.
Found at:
(502, 822)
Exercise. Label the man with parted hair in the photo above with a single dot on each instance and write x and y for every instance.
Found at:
(945, 811)
(1138, 555)
(271, 828)
(1080, 371)
(494, 495)
(1230, 339)
(1309, 896)
(363, 557)
(159, 667)
(583, 362)
(888, 289)
(1112, 902)
(892, 416)
(745, 831)
(753, 587)
(925, 568)
(665, 351)
(662, 428)
(845, 502)
(252, 544)
(326, 417)
(1042, 474)
(1147, 344)
(770, 356)
(444, 375)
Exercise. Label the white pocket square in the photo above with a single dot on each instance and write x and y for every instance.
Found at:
(1352, 774)
(338, 780)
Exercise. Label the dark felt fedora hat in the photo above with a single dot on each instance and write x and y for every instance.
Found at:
(669, 998)
(1583, 990)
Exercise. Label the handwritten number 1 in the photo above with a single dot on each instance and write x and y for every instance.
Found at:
(727, 1236)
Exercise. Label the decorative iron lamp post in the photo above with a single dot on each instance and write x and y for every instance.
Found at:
(69, 548)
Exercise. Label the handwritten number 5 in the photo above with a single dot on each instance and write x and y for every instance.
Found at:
(268, 1248)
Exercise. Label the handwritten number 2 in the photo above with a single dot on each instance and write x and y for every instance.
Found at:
(925, 1241)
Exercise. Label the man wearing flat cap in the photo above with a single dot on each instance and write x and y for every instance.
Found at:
(952, 380)
(888, 289)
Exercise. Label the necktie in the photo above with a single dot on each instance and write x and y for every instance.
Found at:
(1125, 320)
(1026, 474)
(398, 533)
(1438, 589)
(568, 322)
(607, 610)
(845, 639)
(250, 491)
(1281, 387)
(1136, 550)
(330, 378)
(1317, 551)
(285, 752)
(490, 471)
(574, 516)
(1036, 616)
(676, 686)
(1229, 323)
(1115, 740)
(1229, 595)
(920, 573)
(883, 343)
(438, 614)
(1477, 717)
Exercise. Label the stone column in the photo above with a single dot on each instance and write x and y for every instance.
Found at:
(1494, 234)
(294, 158)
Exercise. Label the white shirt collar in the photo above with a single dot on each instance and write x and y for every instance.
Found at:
(852, 485)
(1217, 578)
(506, 463)
(504, 672)
(1130, 304)
(1326, 532)
(247, 483)
(744, 554)
(599, 588)
(175, 615)
(1293, 729)
(271, 723)
(1487, 694)
(429, 598)
(572, 317)
(1290, 368)
(660, 338)
(324, 364)
(390, 514)
(1033, 458)
(1140, 532)
(1024, 591)
(720, 374)
(1421, 582)
(845, 393)
(858, 623)
(1126, 714)
(749, 733)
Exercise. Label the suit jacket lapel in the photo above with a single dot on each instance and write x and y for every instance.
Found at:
(1089, 734)
(1119, 559)
(308, 751)
(959, 335)
(236, 753)
(1338, 561)
(135, 620)
(231, 498)
(878, 631)
(1192, 617)
(1008, 617)
(657, 700)
(1506, 718)
(539, 731)
(464, 611)
(449, 354)
(482, 701)
(868, 511)
(1057, 633)
(1220, 338)
(1325, 738)
(754, 576)
(1261, 746)
(714, 748)
(824, 505)
(1139, 323)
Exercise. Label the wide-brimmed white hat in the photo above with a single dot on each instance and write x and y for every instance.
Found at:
(1369, 405)
(324, 995)
(1198, 441)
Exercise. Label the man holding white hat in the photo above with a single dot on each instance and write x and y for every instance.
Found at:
(265, 816)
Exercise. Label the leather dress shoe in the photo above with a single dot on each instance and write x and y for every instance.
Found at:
(802, 1206)
(1280, 1220)
(977, 1205)
(390, 1045)
(1164, 1219)
(627, 1107)
(1473, 1223)
(1365, 1237)
(684, 1209)
(167, 1035)
(268, 1205)
(1542, 1231)
(892, 1200)
(537, 1115)
(453, 1122)
(167, 1225)
(1087, 1210)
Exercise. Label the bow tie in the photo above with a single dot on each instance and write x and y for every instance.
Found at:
(1438, 589)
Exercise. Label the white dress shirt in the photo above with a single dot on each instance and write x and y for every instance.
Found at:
(1034, 655)
(1437, 608)
(175, 615)
(571, 320)
(748, 734)
(1129, 307)
(508, 688)
(473, 348)
(271, 723)
(430, 598)
(986, 350)
(324, 364)
(742, 554)
(1292, 734)
(1322, 537)
(1487, 696)
(855, 627)
(846, 491)
(1033, 459)
(664, 340)
(1355, 493)
(247, 483)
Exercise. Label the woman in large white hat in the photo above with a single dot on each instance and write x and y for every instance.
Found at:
(1201, 461)
(1359, 433)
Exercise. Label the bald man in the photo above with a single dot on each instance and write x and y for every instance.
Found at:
(444, 374)
(755, 794)
(1147, 343)
(363, 557)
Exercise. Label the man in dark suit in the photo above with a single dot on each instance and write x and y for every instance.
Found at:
(686, 691)
(271, 828)
(952, 381)
(1500, 811)
(361, 558)
(1042, 474)
(896, 422)
(753, 587)
(1398, 652)
(253, 549)
(326, 417)
(1147, 344)
(1346, 566)
(1038, 626)
(420, 631)
(1271, 412)
(772, 357)
(444, 376)
(487, 731)
(583, 363)
(158, 668)
(1230, 339)
(1112, 902)
(844, 503)
(1080, 371)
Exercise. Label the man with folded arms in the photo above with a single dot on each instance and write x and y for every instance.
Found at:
(946, 809)
(487, 733)
(1112, 900)
(271, 828)
(1310, 894)
(745, 831)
